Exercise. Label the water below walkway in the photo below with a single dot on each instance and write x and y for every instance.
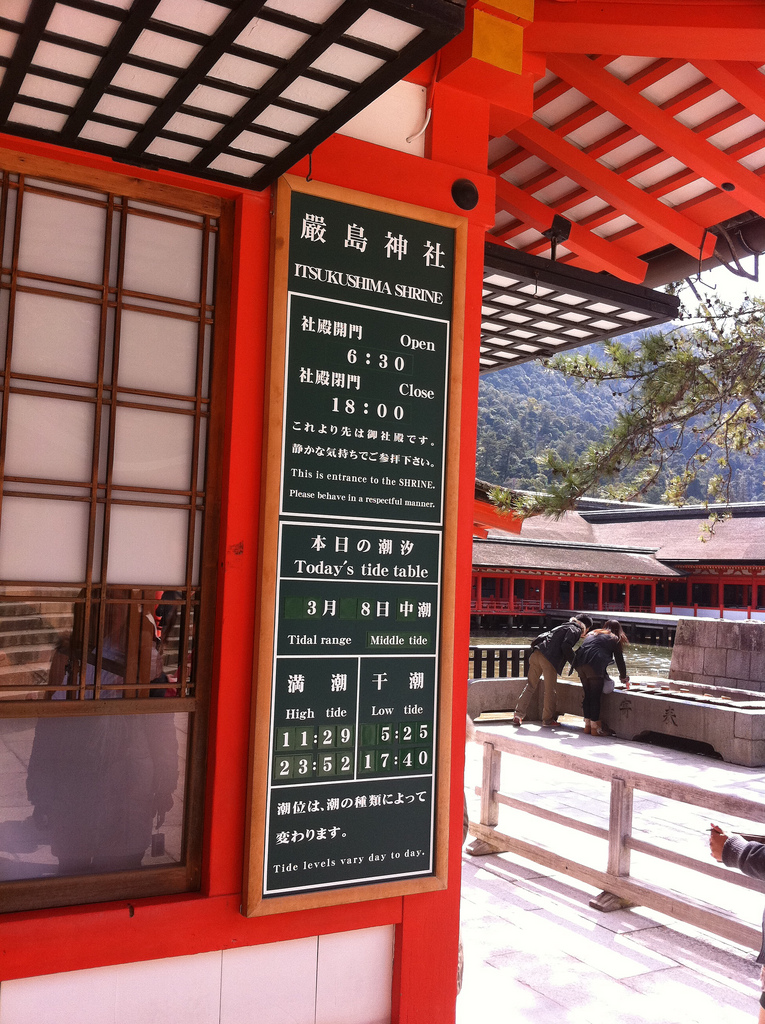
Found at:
(642, 659)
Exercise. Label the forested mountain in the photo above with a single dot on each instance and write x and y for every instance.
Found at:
(526, 409)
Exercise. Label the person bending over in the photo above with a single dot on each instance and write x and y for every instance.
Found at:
(550, 652)
(593, 656)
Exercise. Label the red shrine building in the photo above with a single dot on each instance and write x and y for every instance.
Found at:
(643, 559)
(255, 255)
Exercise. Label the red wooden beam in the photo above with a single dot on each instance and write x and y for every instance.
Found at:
(607, 184)
(688, 97)
(672, 136)
(708, 31)
(488, 517)
(610, 257)
(719, 122)
(505, 163)
(611, 141)
(654, 72)
(552, 90)
(740, 80)
(747, 146)
(507, 232)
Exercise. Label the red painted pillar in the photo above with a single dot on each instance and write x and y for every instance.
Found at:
(425, 962)
(626, 595)
(653, 596)
(542, 594)
(600, 595)
(571, 586)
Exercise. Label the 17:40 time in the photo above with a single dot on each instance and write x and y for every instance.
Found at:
(348, 406)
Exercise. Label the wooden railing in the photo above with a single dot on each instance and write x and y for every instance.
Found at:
(616, 877)
(519, 604)
(491, 661)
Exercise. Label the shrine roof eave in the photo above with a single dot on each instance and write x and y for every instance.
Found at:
(563, 560)
(569, 545)
(717, 564)
(519, 572)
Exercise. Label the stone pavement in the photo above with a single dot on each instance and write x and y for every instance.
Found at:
(534, 949)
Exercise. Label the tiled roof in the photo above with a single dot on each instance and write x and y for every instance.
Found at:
(734, 540)
(677, 536)
(501, 552)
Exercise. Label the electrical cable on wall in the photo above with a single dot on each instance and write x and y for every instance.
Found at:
(428, 101)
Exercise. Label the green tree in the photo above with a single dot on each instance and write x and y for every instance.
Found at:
(692, 403)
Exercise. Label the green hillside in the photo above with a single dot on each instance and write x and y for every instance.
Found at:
(526, 409)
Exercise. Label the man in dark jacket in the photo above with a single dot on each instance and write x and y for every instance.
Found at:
(550, 652)
(737, 852)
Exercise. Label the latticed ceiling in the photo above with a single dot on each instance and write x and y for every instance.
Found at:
(533, 308)
(647, 135)
(232, 90)
(639, 152)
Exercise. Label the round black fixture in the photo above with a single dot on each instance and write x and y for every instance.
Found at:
(465, 194)
(727, 186)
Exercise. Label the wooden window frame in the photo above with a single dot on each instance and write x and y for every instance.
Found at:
(39, 893)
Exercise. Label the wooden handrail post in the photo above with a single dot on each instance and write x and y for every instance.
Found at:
(619, 827)
(492, 762)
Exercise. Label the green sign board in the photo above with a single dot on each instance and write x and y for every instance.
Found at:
(369, 310)
(353, 740)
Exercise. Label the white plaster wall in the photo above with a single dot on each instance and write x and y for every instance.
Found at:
(392, 118)
(329, 979)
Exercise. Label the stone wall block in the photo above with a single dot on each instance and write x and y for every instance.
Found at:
(752, 636)
(743, 724)
(680, 661)
(696, 660)
(730, 683)
(708, 725)
(705, 632)
(687, 658)
(757, 633)
(686, 633)
(715, 661)
(499, 695)
(738, 665)
(738, 736)
(757, 670)
(730, 636)
(745, 752)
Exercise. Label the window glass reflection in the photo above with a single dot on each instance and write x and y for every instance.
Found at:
(91, 794)
(49, 643)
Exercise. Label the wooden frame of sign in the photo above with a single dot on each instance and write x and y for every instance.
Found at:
(350, 761)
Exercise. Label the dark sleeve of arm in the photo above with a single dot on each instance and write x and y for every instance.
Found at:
(747, 857)
(619, 659)
(567, 647)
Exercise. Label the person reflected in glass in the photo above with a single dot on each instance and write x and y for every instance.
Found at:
(100, 782)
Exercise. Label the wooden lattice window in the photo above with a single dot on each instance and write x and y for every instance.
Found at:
(109, 438)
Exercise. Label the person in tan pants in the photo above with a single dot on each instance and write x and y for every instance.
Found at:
(550, 652)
